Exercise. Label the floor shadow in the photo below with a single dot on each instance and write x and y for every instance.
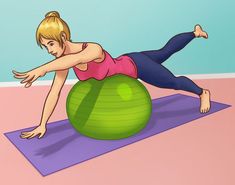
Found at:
(177, 113)
(157, 105)
(158, 116)
(55, 147)
(60, 128)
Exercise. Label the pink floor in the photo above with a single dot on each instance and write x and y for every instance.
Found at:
(201, 152)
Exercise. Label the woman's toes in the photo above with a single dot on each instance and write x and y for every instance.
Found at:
(199, 32)
(204, 35)
(201, 110)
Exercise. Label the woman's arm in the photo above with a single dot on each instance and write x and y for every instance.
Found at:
(91, 52)
(49, 105)
(53, 95)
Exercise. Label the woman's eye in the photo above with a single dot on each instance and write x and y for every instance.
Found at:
(51, 44)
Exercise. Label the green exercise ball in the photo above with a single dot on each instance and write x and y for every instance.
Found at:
(116, 107)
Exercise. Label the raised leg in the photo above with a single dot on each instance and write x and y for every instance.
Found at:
(174, 45)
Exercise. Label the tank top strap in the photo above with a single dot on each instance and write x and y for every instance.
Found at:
(84, 45)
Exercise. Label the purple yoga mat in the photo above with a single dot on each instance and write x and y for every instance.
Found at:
(63, 147)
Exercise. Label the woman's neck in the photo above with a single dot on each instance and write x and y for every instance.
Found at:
(71, 47)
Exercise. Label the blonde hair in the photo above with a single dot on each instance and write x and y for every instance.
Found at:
(52, 27)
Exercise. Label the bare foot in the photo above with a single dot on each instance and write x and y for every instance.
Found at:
(205, 101)
(198, 32)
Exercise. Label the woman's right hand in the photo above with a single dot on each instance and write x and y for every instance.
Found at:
(30, 76)
(40, 130)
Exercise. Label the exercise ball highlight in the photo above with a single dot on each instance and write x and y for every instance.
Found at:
(116, 107)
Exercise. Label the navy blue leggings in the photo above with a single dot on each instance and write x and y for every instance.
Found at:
(150, 68)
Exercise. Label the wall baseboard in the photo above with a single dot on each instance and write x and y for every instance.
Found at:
(73, 81)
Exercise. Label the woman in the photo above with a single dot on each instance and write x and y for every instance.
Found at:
(91, 60)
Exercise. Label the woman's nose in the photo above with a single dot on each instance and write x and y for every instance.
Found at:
(49, 51)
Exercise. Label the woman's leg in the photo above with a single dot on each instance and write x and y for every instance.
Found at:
(174, 45)
(157, 75)
(150, 70)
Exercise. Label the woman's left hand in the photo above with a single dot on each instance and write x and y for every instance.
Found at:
(30, 76)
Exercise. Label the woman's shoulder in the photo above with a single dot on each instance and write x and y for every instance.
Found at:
(94, 44)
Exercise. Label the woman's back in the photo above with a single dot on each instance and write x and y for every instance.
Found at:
(108, 67)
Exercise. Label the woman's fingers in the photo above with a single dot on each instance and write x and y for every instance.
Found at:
(28, 135)
(29, 78)
(25, 135)
(21, 76)
(34, 134)
(31, 135)
(41, 135)
(33, 79)
(28, 84)
(22, 136)
(38, 131)
(18, 73)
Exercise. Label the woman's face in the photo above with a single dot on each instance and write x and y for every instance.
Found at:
(53, 47)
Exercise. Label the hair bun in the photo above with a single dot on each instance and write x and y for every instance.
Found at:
(53, 14)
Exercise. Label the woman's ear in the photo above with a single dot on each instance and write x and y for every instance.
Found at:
(63, 36)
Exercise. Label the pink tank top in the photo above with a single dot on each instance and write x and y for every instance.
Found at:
(108, 67)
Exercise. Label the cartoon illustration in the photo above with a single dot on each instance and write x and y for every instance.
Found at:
(91, 60)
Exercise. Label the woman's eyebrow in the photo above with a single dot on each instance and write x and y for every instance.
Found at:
(48, 43)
